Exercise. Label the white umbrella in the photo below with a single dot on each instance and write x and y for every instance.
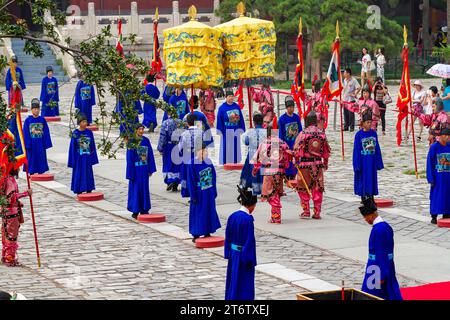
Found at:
(440, 70)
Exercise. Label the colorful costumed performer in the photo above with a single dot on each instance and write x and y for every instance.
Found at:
(266, 105)
(230, 125)
(37, 140)
(380, 279)
(367, 159)
(82, 156)
(201, 187)
(436, 121)
(311, 153)
(274, 156)
(84, 98)
(208, 105)
(140, 166)
(289, 126)
(240, 250)
(19, 77)
(50, 94)
(150, 120)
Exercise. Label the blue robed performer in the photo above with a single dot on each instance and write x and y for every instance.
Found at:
(252, 138)
(170, 135)
(438, 176)
(201, 185)
(140, 166)
(201, 122)
(168, 93)
(82, 156)
(180, 102)
(150, 120)
(240, 250)
(230, 125)
(19, 77)
(289, 127)
(50, 94)
(367, 159)
(129, 118)
(85, 98)
(37, 140)
(380, 279)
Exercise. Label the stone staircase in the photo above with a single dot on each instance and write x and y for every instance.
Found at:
(34, 68)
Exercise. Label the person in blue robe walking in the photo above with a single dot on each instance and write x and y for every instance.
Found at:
(140, 167)
(201, 122)
(367, 159)
(289, 126)
(150, 120)
(240, 250)
(170, 134)
(230, 126)
(50, 94)
(180, 102)
(191, 140)
(85, 98)
(380, 279)
(438, 176)
(19, 78)
(252, 138)
(201, 185)
(37, 140)
(82, 157)
(128, 115)
(168, 93)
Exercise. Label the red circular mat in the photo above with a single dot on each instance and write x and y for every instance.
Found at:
(443, 223)
(151, 218)
(210, 242)
(384, 203)
(233, 166)
(42, 177)
(93, 196)
(52, 119)
(93, 128)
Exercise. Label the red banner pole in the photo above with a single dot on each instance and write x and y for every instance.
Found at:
(342, 131)
(249, 95)
(33, 219)
(413, 139)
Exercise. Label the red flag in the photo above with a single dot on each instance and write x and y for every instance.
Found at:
(300, 70)
(333, 86)
(240, 95)
(15, 105)
(296, 97)
(119, 46)
(156, 62)
(404, 94)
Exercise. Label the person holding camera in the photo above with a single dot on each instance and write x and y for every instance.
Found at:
(380, 92)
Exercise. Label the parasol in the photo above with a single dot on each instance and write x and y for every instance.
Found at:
(440, 70)
(249, 49)
(193, 55)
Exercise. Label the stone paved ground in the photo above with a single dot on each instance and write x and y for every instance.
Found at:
(91, 254)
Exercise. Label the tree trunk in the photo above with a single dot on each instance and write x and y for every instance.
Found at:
(426, 24)
(315, 62)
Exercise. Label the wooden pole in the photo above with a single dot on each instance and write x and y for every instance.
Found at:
(249, 96)
(342, 131)
(33, 220)
(413, 139)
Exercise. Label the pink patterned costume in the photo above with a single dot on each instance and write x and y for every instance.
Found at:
(208, 106)
(319, 104)
(362, 106)
(266, 105)
(311, 153)
(11, 219)
(274, 156)
(436, 122)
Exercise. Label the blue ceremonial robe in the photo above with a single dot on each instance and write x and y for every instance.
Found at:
(149, 109)
(367, 161)
(380, 265)
(438, 175)
(190, 140)
(12, 126)
(288, 129)
(37, 140)
(202, 124)
(230, 125)
(128, 124)
(140, 165)
(49, 93)
(82, 156)
(240, 250)
(169, 137)
(180, 103)
(9, 81)
(167, 94)
(85, 99)
(252, 138)
(201, 185)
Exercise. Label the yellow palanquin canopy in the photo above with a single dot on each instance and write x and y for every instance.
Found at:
(249, 48)
(193, 55)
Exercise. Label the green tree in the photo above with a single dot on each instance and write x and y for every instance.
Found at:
(96, 58)
(319, 19)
